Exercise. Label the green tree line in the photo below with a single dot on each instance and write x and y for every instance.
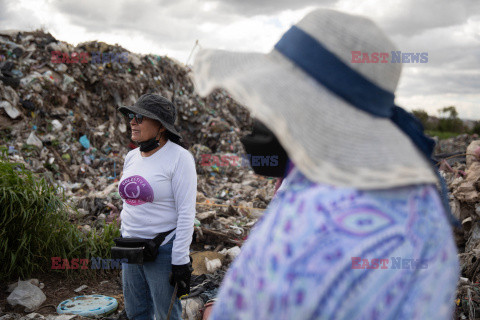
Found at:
(446, 124)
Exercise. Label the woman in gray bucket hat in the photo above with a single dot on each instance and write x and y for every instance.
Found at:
(158, 187)
(358, 230)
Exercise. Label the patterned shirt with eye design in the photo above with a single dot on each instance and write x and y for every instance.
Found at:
(324, 252)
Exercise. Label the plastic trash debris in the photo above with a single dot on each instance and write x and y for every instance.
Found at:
(57, 125)
(12, 287)
(88, 306)
(66, 157)
(35, 282)
(82, 287)
(48, 75)
(205, 215)
(197, 223)
(212, 265)
(67, 80)
(32, 316)
(192, 308)
(61, 317)
(122, 127)
(233, 252)
(61, 67)
(84, 142)
(11, 111)
(34, 140)
(27, 295)
(207, 310)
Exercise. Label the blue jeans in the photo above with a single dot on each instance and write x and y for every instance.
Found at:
(146, 289)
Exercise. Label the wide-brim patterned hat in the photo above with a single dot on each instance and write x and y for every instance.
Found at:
(332, 116)
(157, 107)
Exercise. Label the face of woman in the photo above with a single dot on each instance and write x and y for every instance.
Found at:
(147, 129)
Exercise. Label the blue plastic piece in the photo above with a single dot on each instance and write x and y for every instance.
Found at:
(84, 142)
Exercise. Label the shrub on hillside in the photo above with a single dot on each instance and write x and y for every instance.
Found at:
(34, 225)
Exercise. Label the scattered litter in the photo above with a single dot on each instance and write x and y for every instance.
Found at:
(82, 287)
(85, 142)
(61, 317)
(27, 295)
(33, 140)
(212, 265)
(33, 315)
(35, 282)
(57, 125)
(232, 253)
(199, 258)
(192, 308)
(11, 111)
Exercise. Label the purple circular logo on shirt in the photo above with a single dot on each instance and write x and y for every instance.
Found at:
(135, 190)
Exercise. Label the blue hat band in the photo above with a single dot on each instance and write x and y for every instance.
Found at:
(322, 65)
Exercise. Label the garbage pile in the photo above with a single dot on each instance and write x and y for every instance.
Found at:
(461, 170)
(58, 116)
(453, 145)
(61, 119)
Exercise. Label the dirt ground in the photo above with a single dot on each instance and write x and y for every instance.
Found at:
(60, 286)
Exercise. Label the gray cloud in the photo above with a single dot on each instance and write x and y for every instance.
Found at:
(453, 66)
(3, 10)
(12, 18)
(269, 7)
(169, 23)
(426, 82)
(414, 17)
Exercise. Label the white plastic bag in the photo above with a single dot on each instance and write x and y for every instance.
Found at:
(27, 295)
(232, 253)
(212, 265)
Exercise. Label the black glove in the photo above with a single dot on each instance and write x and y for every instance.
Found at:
(180, 276)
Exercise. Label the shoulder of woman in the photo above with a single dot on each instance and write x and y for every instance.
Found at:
(131, 153)
(181, 152)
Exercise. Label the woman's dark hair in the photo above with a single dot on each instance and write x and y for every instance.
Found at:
(175, 139)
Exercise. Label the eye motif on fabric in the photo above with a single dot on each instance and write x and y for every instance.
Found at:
(363, 221)
(136, 190)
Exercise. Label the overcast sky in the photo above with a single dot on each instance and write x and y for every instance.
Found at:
(449, 30)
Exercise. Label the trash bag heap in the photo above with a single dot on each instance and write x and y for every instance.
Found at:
(58, 116)
(459, 163)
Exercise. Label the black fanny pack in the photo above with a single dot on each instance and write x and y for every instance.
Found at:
(138, 250)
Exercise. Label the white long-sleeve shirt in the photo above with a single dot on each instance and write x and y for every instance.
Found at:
(159, 194)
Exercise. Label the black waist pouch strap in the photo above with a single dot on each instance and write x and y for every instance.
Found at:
(138, 250)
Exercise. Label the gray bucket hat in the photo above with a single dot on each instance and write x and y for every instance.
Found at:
(156, 107)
